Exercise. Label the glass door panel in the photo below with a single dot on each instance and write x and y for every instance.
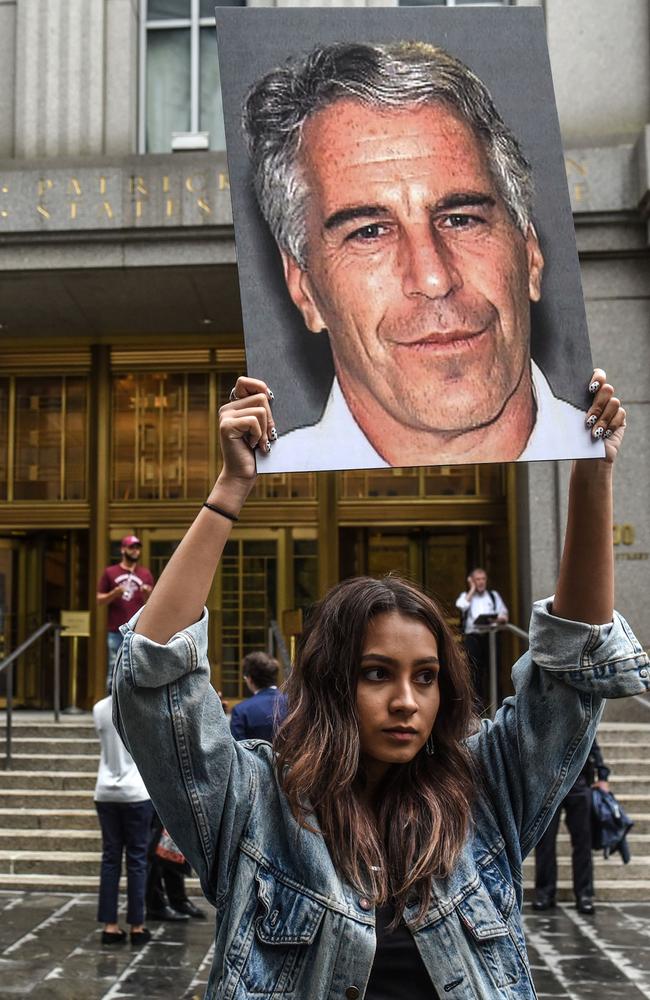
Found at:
(249, 569)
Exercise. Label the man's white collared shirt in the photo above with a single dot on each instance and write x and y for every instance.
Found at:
(337, 441)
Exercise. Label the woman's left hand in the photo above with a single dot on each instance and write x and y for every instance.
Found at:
(605, 416)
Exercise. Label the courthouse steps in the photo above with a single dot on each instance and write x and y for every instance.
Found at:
(49, 832)
(626, 750)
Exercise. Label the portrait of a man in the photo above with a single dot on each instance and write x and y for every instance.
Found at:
(402, 207)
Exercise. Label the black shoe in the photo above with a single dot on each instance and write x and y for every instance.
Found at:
(543, 901)
(166, 913)
(585, 904)
(188, 907)
(138, 938)
(113, 937)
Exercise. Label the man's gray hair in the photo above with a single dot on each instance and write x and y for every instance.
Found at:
(397, 75)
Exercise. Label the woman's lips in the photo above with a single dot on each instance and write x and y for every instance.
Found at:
(400, 735)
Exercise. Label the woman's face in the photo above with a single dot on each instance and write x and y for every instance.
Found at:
(397, 691)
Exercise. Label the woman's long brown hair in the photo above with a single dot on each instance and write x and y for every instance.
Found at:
(422, 809)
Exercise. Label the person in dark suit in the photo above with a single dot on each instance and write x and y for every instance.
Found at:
(577, 805)
(258, 716)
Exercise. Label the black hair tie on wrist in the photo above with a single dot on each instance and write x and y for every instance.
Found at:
(219, 510)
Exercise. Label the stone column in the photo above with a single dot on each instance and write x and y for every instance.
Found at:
(61, 63)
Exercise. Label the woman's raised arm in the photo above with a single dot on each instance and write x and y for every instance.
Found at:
(585, 587)
(177, 601)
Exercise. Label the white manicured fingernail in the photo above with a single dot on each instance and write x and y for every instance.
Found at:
(598, 433)
(591, 420)
(608, 433)
(594, 386)
(273, 434)
(267, 447)
(271, 395)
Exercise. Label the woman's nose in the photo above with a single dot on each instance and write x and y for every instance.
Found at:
(403, 699)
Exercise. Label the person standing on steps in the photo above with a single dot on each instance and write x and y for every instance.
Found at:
(125, 812)
(577, 808)
(475, 603)
(124, 588)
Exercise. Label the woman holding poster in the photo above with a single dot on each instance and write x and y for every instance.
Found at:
(380, 840)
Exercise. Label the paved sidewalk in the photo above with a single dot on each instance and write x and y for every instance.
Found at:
(50, 950)
(604, 957)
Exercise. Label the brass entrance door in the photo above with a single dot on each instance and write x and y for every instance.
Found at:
(437, 559)
(249, 602)
(41, 574)
(8, 556)
(245, 597)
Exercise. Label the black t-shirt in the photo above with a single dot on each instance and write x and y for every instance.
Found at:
(398, 969)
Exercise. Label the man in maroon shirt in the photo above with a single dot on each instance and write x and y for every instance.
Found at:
(124, 588)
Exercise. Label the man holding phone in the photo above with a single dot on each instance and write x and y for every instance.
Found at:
(480, 608)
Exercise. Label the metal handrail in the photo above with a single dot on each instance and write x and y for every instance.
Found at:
(491, 631)
(8, 664)
(276, 638)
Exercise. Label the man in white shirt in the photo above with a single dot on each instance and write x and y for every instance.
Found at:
(473, 603)
(402, 208)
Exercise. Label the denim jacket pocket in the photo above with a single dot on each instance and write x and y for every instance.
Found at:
(284, 922)
(491, 937)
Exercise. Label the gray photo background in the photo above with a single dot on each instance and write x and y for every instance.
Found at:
(506, 48)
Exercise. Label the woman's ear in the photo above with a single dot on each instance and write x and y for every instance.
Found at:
(300, 290)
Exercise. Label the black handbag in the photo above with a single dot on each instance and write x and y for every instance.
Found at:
(610, 825)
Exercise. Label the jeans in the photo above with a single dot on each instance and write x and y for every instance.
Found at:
(113, 642)
(124, 825)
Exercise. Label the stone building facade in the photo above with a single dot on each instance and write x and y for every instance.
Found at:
(120, 329)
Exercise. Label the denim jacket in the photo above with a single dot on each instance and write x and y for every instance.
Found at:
(287, 926)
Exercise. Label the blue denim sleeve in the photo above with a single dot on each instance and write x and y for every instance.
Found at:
(172, 722)
(533, 751)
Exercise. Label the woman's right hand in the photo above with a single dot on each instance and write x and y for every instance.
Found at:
(245, 423)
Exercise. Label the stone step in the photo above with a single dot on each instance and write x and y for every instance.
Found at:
(49, 862)
(629, 732)
(622, 750)
(612, 870)
(46, 799)
(630, 784)
(48, 818)
(641, 824)
(634, 801)
(50, 840)
(67, 746)
(47, 780)
(50, 730)
(622, 767)
(89, 839)
(76, 883)
(639, 842)
(622, 891)
(53, 762)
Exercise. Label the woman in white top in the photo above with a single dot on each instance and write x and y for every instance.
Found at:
(125, 814)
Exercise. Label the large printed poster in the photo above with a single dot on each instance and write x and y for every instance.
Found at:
(409, 277)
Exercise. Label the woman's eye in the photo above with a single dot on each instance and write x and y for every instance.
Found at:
(427, 677)
(374, 674)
